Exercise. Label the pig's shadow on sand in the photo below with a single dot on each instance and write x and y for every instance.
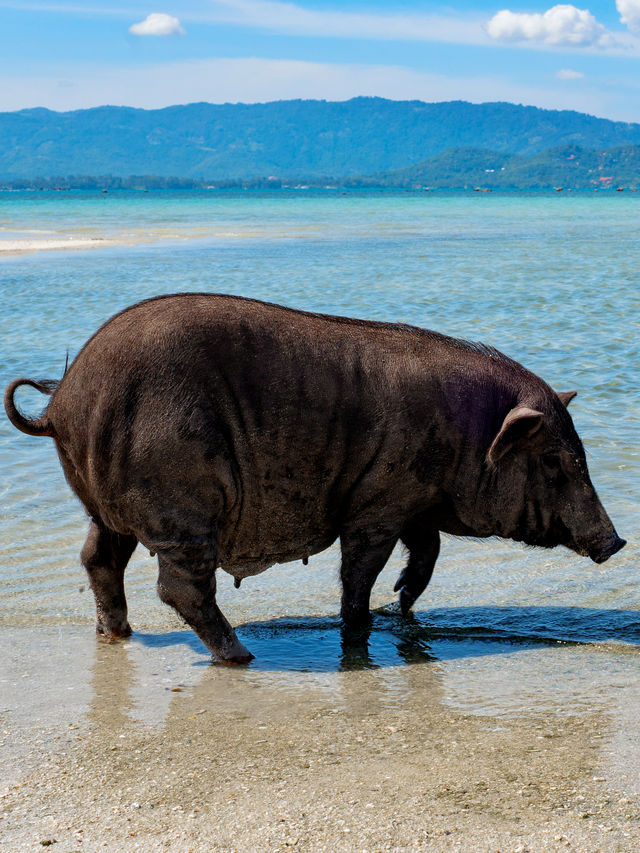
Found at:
(318, 644)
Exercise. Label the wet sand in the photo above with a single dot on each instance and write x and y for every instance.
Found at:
(144, 745)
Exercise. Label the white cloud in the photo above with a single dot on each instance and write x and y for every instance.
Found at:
(157, 24)
(629, 13)
(290, 18)
(569, 74)
(464, 28)
(561, 25)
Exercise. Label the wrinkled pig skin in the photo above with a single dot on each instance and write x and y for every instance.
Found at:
(226, 432)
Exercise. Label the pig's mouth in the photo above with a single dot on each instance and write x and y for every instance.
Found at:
(601, 555)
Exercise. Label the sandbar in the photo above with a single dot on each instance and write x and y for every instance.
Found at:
(21, 246)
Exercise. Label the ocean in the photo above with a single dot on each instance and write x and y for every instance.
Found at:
(551, 279)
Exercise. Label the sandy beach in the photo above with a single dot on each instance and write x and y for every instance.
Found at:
(136, 746)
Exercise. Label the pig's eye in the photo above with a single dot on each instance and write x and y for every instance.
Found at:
(551, 464)
(553, 468)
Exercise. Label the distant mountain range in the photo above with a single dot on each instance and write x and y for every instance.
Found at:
(398, 142)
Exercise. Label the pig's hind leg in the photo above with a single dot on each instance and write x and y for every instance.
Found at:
(187, 582)
(424, 547)
(105, 556)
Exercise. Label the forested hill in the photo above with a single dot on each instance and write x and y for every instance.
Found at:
(285, 139)
(569, 166)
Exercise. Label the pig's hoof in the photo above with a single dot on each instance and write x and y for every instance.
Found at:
(239, 660)
(407, 600)
(356, 632)
(112, 635)
(238, 653)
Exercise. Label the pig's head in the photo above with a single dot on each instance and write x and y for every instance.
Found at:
(540, 489)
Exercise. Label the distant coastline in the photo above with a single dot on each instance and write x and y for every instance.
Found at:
(564, 168)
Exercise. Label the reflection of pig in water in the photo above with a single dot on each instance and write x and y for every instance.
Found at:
(226, 432)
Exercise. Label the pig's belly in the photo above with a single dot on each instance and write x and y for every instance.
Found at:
(250, 556)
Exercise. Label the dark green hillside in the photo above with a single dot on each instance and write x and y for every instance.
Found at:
(570, 167)
(574, 167)
(455, 168)
(286, 139)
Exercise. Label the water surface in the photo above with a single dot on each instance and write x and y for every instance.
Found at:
(552, 279)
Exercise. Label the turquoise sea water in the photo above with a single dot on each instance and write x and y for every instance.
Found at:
(551, 279)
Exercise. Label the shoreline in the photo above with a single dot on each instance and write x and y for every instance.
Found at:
(139, 746)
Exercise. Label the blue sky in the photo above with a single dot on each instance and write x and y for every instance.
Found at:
(71, 54)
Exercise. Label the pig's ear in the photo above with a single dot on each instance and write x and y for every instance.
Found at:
(520, 425)
(566, 397)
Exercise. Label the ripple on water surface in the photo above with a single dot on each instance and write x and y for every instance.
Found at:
(552, 282)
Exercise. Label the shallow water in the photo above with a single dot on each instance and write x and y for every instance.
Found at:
(553, 280)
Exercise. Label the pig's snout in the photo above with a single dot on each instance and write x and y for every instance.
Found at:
(602, 554)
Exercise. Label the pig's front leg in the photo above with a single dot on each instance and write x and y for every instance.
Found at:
(364, 555)
(424, 547)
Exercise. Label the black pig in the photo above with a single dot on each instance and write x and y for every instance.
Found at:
(227, 432)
